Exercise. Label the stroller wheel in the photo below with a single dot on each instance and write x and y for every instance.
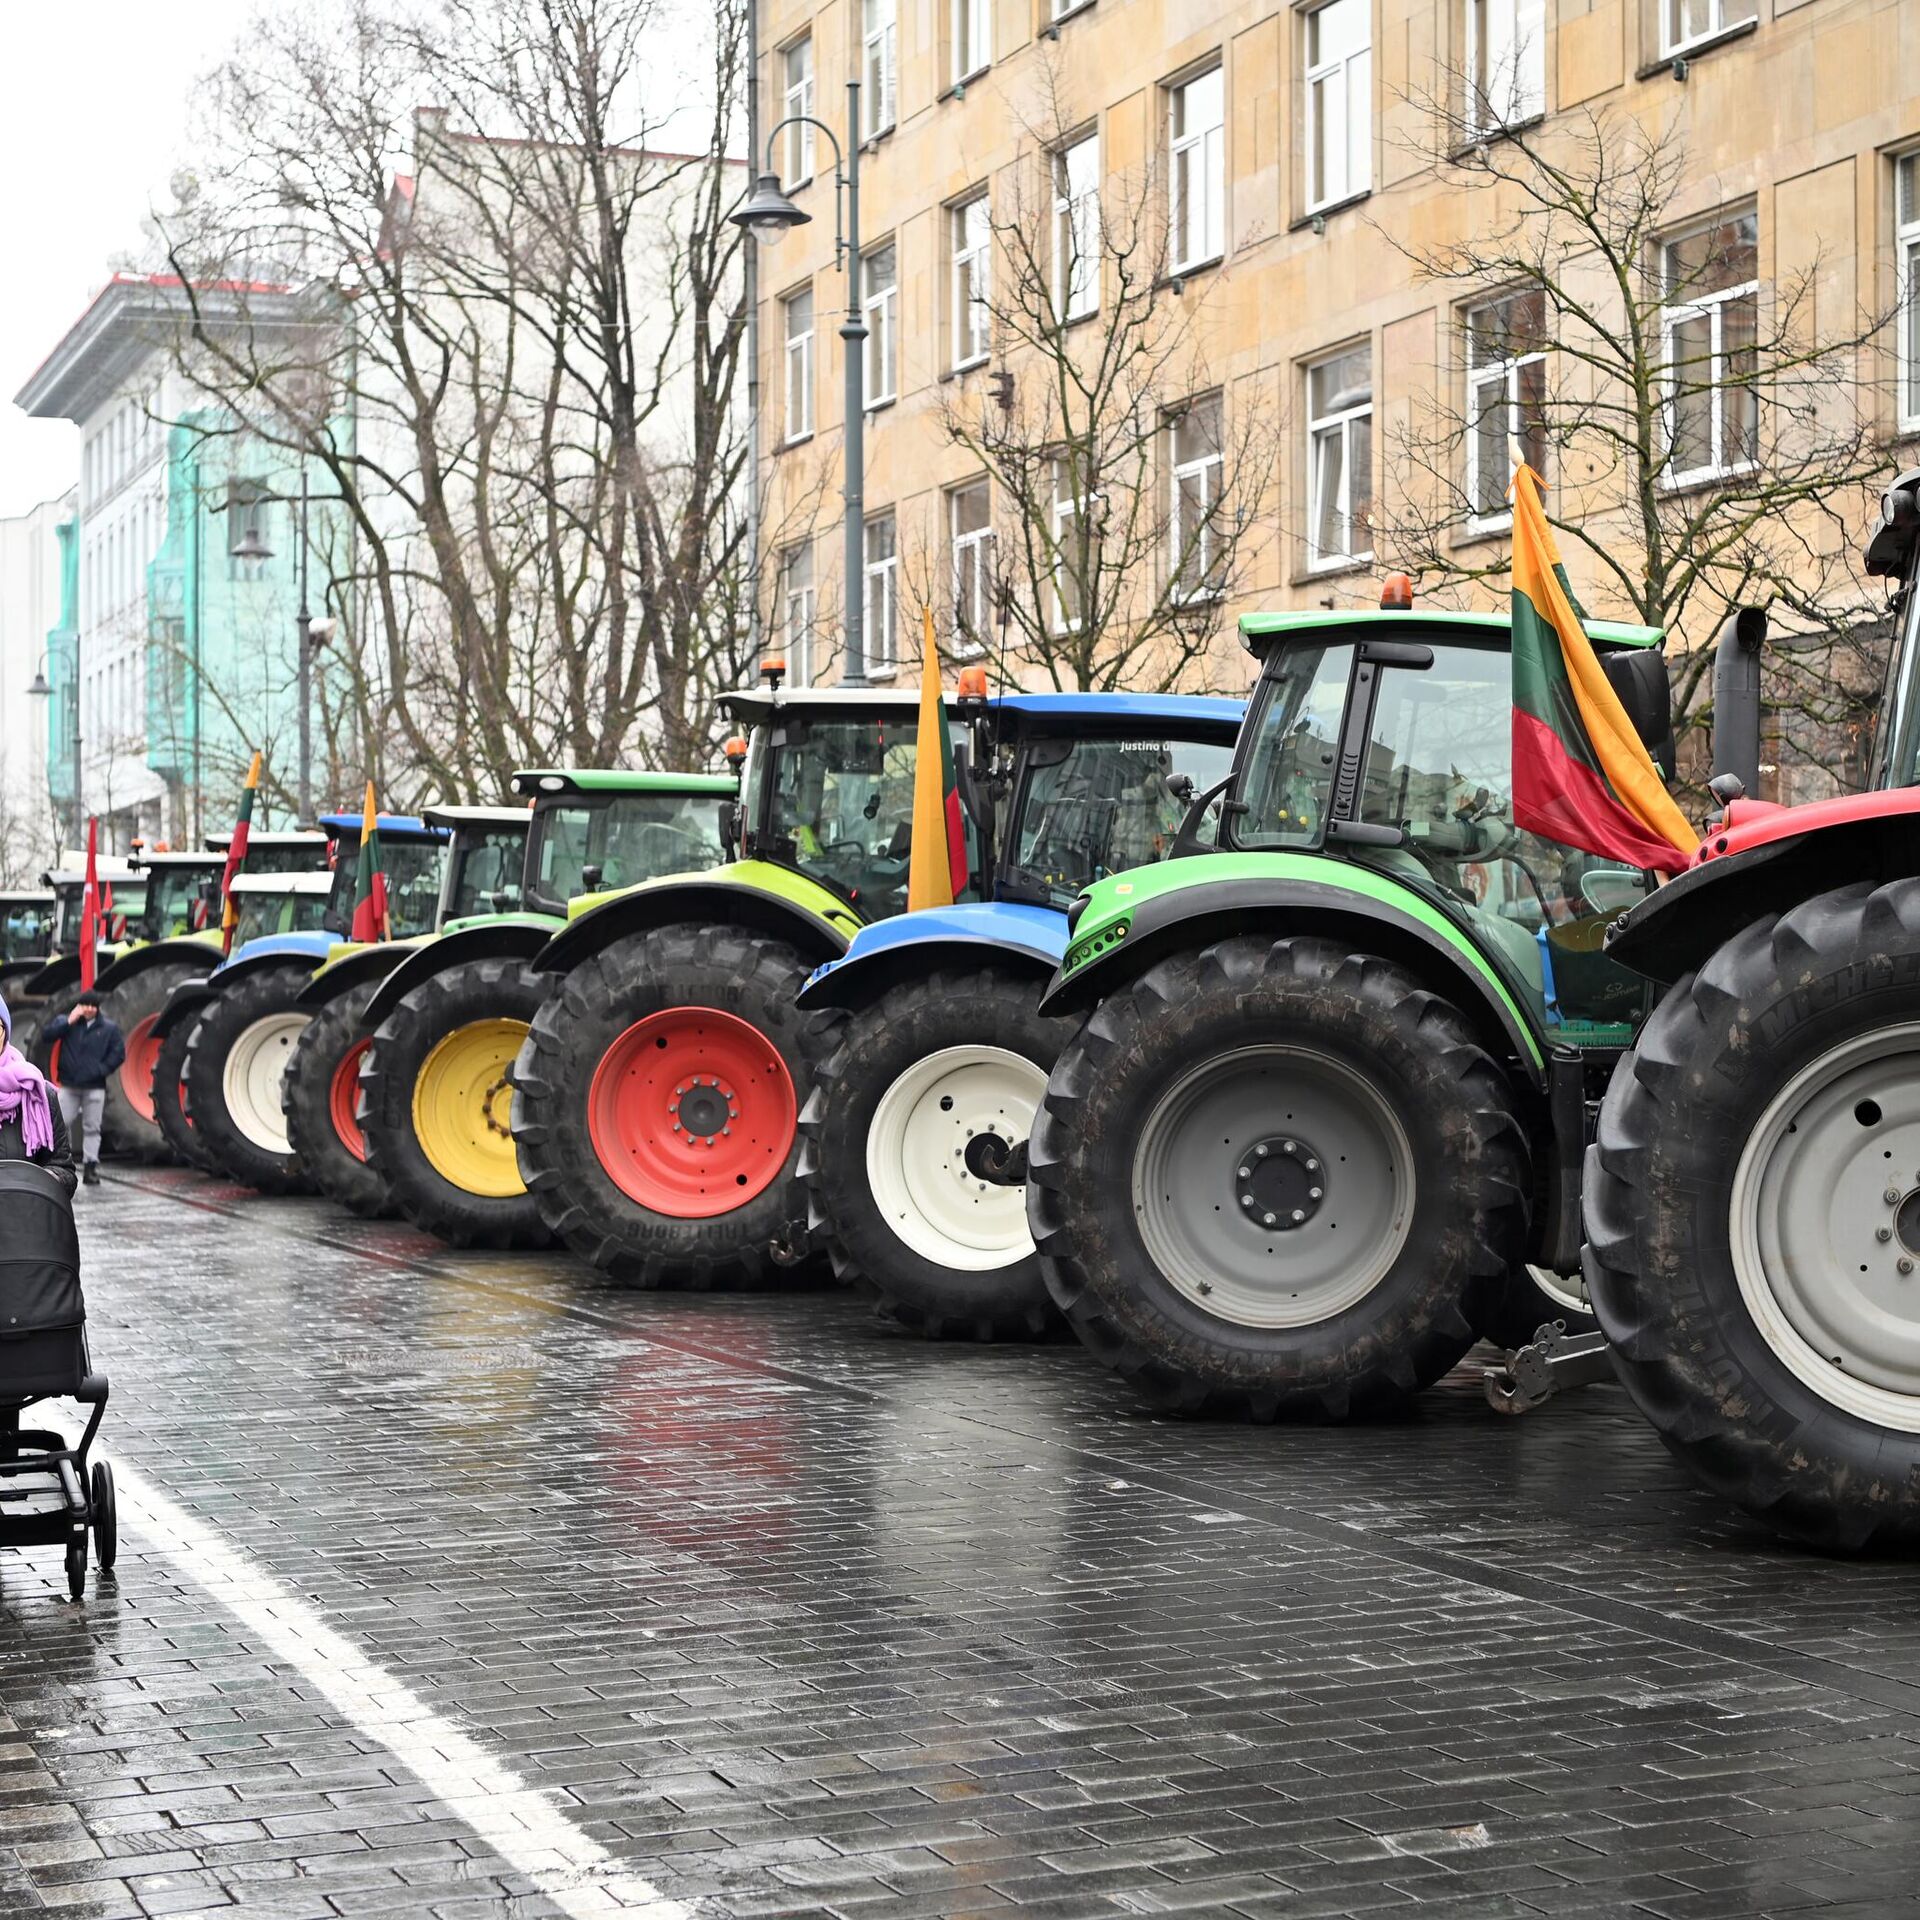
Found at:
(77, 1565)
(106, 1517)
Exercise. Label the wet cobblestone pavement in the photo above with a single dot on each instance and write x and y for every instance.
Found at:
(461, 1585)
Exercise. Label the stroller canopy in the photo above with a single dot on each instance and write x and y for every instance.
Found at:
(39, 1253)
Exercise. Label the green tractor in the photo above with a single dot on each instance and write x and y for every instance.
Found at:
(657, 1098)
(1323, 1125)
(32, 986)
(320, 1094)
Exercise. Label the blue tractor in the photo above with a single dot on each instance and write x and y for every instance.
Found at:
(914, 1138)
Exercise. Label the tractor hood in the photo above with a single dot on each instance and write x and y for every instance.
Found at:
(312, 947)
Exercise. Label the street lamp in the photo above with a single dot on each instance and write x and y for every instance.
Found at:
(39, 688)
(767, 213)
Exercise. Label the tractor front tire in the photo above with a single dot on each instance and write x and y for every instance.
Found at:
(436, 1102)
(236, 1068)
(1753, 1219)
(1277, 1178)
(657, 1103)
(322, 1094)
(931, 1067)
(132, 1125)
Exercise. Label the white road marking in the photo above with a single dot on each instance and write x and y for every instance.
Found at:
(518, 1824)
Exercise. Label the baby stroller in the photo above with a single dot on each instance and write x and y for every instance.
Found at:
(47, 1492)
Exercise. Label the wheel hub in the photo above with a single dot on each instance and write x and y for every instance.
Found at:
(1906, 1222)
(1280, 1183)
(702, 1107)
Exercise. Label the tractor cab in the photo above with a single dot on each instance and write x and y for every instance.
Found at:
(410, 857)
(183, 893)
(26, 925)
(286, 850)
(123, 898)
(600, 831)
(277, 903)
(486, 852)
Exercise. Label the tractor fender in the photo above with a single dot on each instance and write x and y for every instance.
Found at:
(353, 966)
(1764, 860)
(819, 931)
(54, 976)
(517, 939)
(182, 1004)
(965, 937)
(303, 950)
(20, 971)
(1377, 915)
(194, 950)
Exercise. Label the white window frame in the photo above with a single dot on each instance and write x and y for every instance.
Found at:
(972, 563)
(1066, 510)
(1343, 78)
(1503, 373)
(880, 602)
(799, 367)
(1341, 422)
(1058, 10)
(1196, 153)
(1906, 266)
(797, 614)
(1076, 231)
(1508, 38)
(971, 268)
(880, 308)
(879, 66)
(1711, 307)
(797, 98)
(972, 25)
(1721, 14)
(1210, 469)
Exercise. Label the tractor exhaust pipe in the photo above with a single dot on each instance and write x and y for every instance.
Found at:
(1736, 697)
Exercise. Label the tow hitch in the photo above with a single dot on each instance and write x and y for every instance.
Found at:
(1549, 1363)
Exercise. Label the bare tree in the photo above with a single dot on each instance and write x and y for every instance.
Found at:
(1707, 431)
(1126, 483)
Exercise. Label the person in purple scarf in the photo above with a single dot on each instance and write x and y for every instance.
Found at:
(31, 1126)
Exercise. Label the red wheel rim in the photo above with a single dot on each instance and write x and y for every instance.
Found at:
(692, 1112)
(343, 1099)
(136, 1071)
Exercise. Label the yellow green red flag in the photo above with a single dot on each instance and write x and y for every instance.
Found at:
(236, 857)
(1581, 773)
(937, 861)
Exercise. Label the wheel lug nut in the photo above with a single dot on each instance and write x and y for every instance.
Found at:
(1269, 1220)
(1298, 1216)
(1260, 1152)
(1246, 1199)
(1883, 1233)
(1244, 1171)
(1286, 1146)
(1891, 1196)
(1313, 1193)
(1904, 1264)
(1313, 1166)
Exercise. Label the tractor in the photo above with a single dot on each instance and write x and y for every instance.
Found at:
(448, 1023)
(244, 1017)
(320, 1091)
(657, 1097)
(30, 987)
(909, 1136)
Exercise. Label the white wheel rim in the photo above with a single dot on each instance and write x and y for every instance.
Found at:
(1567, 1291)
(916, 1156)
(1808, 1208)
(254, 1075)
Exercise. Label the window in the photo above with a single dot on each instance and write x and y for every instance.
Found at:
(1686, 23)
(1196, 128)
(1506, 62)
(796, 613)
(879, 300)
(1076, 228)
(799, 99)
(1193, 438)
(1340, 459)
(1339, 102)
(1710, 284)
(1506, 398)
(972, 235)
(972, 37)
(880, 610)
(877, 66)
(1068, 580)
(1906, 261)
(967, 511)
(799, 318)
(1059, 9)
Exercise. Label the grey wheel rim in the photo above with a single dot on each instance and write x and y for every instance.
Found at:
(1273, 1187)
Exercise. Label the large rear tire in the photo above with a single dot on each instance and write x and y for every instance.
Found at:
(1277, 1178)
(655, 1197)
(1751, 1196)
(934, 1065)
(132, 1125)
(436, 1102)
(322, 1095)
(236, 1067)
(170, 1095)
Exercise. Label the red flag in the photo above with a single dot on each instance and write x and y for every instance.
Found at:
(90, 909)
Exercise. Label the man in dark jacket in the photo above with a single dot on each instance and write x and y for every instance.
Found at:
(91, 1051)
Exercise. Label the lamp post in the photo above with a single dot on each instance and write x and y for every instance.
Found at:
(766, 214)
(39, 688)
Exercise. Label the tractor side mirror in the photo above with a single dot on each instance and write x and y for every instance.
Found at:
(591, 877)
(1640, 681)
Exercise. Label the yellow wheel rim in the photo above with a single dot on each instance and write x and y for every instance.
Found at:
(461, 1104)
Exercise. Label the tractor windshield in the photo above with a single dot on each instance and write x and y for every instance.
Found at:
(180, 900)
(412, 868)
(1094, 807)
(840, 806)
(487, 877)
(1296, 734)
(26, 931)
(259, 914)
(585, 844)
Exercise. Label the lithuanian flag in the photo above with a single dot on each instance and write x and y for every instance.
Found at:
(1581, 774)
(370, 882)
(236, 858)
(937, 863)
